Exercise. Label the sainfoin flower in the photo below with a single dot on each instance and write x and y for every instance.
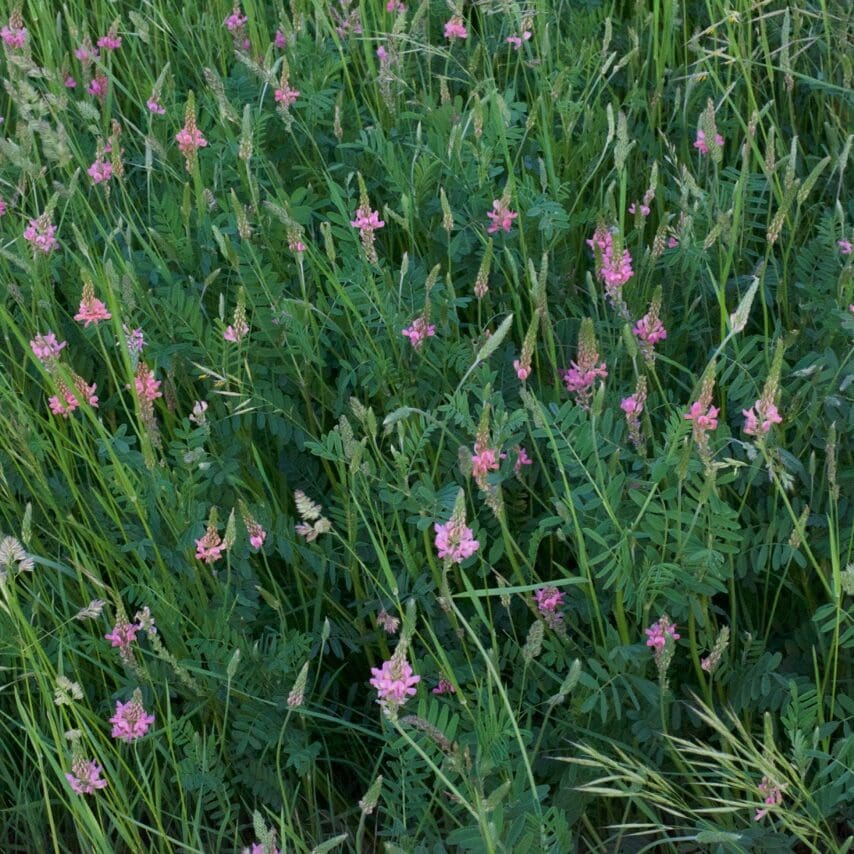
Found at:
(146, 386)
(760, 418)
(69, 400)
(285, 95)
(190, 140)
(395, 6)
(659, 633)
(702, 145)
(549, 600)
(14, 34)
(581, 375)
(522, 459)
(46, 347)
(236, 20)
(516, 41)
(454, 541)
(260, 848)
(394, 681)
(633, 406)
(98, 87)
(704, 418)
(279, 40)
(122, 636)
(387, 622)
(100, 171)
(131, 721)
(210, 547)
(85, 776)
(154, 106)
(522, 371)
(613, 265)
(236, 332)
(367, 219)
(455, 29)
(111, 41)
(40, 233)
(772, 796)
(419, 331)
(501, 217)
(443, 686)
(845, 247)
(91, 310)
(483, 461)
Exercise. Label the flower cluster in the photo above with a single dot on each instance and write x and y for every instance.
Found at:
(649, 330)
(367, 221)
(613, 265)
(235, 23)
(40, 233)
(91, 309)
(454, 541)
(772, 796)
(210, 547)
(703, 415)
(14, 34)
(581, 374)
(500, 217)
(633, 407)
(85, 776)
(419, 331)
(313, 523)
(394, 682)
(130, 720)
(455, 28)
(549, 600)
(46, 347)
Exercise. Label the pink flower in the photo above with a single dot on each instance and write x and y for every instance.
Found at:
(760, 421)
(516, 41)
(644, 209)
(522, 371)
(772, 796)
(86, 53)
(110, 41)
(14, 35)
(46, 348)
(257, 535)
(484, 461)
(580, 378)
(613, 268)
(845, 247)
(296, 245)
(122, 636)
(147, 388)
(155, 107)
(418, 332)
(443, 686)
(100, 171)
(260, 848)
(703, 420)
(456, 29)
(91, 310)
(522, 459)
(658, 634)
(85, 777)
(280, 41)
(131, 721)
(98, 86)
(236, 20)
(702, 146)
(41, 235)
(70, 82)
(367, 220)
(2, 207)
(395, 6)
(672, 242)
(190, 140)
(454, 541)
(134, 339)
(210, 547)
(501, 216)
(549, 600)
(286, 95)
(395, 682)
(387, 622)
(650, 329)
(237, 332)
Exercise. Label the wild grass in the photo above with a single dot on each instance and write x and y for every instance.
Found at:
(275, 392)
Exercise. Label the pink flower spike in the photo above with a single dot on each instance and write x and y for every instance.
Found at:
(444, 687)
(155, 107)
(46, 348)
(110, 41)
(286, 95)
(395, 682)
(15, 34)
(367, 220)
(98, 87)
(522, 459)
(236, 20)
(650, 330)
(703, 421)
(659, 634)
(70, 82)
(522, 372)
(456, 29)
(454, 541)
(501, 217)
(190, 140)
(760, 421)
(395, 6)
(91, 310)
(418, 332)
(100, 171)
(122, 636)
(85, 777)
(280, 41)
(845, 247)
(131, 721)
(40, 233)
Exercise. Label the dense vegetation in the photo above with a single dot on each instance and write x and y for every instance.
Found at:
(491, 361)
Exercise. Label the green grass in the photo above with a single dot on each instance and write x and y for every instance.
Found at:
(561, 734)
